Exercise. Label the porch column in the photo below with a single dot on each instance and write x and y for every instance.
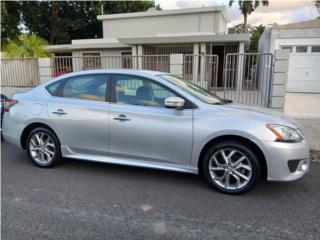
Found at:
(140, 53)
(134, 56)
(203, 82)
(195, 59)
(240, 67)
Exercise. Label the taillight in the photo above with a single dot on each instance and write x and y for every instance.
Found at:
(9, 104)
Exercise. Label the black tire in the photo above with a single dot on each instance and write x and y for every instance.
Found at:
(244, 149)
(57, 150)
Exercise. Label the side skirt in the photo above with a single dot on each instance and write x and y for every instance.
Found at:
(129, 162)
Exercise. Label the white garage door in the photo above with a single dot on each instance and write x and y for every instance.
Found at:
(304, 70)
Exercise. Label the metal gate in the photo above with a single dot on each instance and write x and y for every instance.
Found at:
(202, 70)
(248, 78)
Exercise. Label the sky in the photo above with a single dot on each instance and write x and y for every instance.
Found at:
(278, 11)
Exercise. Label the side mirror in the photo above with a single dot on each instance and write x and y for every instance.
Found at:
(174, 102)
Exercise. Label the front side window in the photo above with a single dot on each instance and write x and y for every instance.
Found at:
(140, 91)
(86, 87)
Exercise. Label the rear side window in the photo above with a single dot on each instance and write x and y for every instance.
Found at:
(53, 88)
(86, 87)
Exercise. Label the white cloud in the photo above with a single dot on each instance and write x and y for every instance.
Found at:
(278, 11)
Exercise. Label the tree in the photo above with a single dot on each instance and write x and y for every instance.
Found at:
(27, 46)
(10, 20)
(255, 36)
(61, 21)
(246, 8)
(240, 28)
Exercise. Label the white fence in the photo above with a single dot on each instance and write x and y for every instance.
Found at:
(22, 72)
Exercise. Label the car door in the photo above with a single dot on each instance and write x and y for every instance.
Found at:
(79, 114)
(142, 128)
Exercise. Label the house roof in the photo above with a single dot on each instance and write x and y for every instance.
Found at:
(315, 23)
(153, 12)
(99, 43)
(241, 37)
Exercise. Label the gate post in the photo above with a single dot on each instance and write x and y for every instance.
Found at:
(176, 64)
(280, 76)
(45, 69)
(240, 67)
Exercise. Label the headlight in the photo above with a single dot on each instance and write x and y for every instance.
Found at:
(285, 134)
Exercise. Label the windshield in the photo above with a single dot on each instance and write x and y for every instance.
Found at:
(193, 89)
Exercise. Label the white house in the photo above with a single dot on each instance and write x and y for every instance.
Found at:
(187, 31)
(303, 41)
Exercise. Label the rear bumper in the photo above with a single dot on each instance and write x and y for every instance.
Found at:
(11, 130)
(280, 157)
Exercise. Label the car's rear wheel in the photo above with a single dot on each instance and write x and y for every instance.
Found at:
(231, 167)
(43, 147)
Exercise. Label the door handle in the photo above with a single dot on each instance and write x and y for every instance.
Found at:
(122, 117)
(59, 112)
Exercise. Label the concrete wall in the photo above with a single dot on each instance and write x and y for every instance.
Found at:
(167, 24)
(265, 40)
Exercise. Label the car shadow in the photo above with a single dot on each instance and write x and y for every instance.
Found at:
(152, 176)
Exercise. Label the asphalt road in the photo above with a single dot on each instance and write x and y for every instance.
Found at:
(85, 200)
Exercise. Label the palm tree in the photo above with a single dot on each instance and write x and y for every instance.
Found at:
(27, 46)
(246, 8)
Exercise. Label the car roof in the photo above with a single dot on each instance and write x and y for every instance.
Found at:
(138, 72)
(117, 71)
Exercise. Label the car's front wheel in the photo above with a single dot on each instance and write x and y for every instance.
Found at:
(231, 167)
(43, 147)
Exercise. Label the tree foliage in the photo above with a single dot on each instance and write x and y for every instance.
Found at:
(255, 36)
(255, 32)
(247, 7)
(27, 46)
(59, 22)
(10, 20)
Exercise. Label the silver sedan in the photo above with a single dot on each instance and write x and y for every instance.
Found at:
(155, 120)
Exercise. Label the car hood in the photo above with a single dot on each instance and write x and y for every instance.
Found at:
(265, 114)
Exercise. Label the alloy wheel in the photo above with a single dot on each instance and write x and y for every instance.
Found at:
(230, 169)
(42, 147)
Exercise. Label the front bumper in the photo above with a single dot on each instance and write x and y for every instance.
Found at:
(280, 156)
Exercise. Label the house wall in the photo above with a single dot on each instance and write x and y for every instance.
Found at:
(167, 24)
(303, 73)
(269, 38)
(112, 58)
(265, 41)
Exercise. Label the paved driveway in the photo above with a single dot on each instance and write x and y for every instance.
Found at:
(83, 200)
(303, 105)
